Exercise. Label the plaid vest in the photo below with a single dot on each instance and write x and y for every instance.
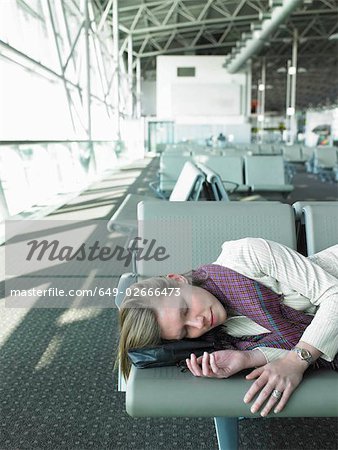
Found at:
(252, 299)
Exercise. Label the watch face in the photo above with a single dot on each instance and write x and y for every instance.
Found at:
(304, 354)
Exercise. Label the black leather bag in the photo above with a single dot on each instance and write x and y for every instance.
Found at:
(169, 354)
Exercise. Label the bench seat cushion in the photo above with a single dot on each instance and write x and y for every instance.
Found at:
(167, 392)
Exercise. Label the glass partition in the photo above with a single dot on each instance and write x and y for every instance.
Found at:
(43, 173)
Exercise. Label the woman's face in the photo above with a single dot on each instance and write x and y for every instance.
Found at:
(190, 314)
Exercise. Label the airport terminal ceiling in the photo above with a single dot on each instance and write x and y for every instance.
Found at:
(218, 27)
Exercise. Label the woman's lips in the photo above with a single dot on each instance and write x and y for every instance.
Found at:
(211, 318)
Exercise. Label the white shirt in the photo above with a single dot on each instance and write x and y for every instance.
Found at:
(304, 283)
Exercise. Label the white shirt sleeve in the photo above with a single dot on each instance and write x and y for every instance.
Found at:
(276, 265)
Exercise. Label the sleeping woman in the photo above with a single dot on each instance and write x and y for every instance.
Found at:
(275, 310)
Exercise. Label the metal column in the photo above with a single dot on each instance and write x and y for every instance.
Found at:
(287, 100)
(130, 73)
(88, 86)
(138, 87)
(261, 102)
(291, 119)
(116, 56)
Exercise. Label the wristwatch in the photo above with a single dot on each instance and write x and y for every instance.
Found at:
(303, 354)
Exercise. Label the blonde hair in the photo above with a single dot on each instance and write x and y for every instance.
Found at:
(138, 321)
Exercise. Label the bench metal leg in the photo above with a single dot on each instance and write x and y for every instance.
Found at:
(227, 432)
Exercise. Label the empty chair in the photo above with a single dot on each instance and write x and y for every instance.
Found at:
(266, 173)
(218, 190)
(266, 149)
(325, 158)
(215, 183)
(188, 187)
(170, 169)
(324, 161)
(229, 168)
(293, 153)
(321, 226)
(298, 208)
(189, 184)
(254, 149)
(307, 152)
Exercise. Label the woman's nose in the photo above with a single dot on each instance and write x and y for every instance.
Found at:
(197, 322)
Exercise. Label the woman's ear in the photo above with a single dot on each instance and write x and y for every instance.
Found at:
(177, 277)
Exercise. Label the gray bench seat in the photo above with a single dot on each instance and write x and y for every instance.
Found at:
(167, 392)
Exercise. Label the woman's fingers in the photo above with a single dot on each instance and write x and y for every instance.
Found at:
(257, 385)
(203, 366)
(217, 372)
(195, 367)
(274, 385)
(187, 361)
(190, 367)
(213, 364)
(263, 396)
(277, 400)
(207, 372)
(284, 399)
(255, 373)
(199, 360)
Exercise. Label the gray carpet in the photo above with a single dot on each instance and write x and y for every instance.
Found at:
(57, 386)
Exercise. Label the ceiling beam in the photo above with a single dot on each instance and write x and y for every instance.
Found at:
(196, 23)
(185, 49)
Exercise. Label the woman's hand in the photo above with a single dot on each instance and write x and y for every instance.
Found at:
(280, 377)
(220, 364)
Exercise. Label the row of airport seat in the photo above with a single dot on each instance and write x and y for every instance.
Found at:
(195, 182)
(296, 153)
(290, 153)
(192, 233)
(252, 173)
